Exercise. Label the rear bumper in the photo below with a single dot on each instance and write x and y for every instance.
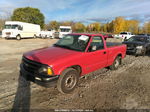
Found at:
(39, 79)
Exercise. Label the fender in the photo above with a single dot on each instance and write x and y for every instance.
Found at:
(58, 71)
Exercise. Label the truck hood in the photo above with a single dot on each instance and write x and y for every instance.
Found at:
(50, 55)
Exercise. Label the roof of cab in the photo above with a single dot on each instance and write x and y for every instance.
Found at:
(88, 34)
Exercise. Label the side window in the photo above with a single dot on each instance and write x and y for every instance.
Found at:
(96, 44)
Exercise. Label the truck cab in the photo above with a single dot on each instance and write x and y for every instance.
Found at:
(11, 29)
(73, 56)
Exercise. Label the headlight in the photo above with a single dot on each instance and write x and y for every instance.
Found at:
(139, 47)
(46, 69)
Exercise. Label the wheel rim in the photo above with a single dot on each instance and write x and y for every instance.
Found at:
(18, 38)
(116, 63)
(70, 82)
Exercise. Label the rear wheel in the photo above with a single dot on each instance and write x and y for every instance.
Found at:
(18, 37)
(116, 63)
(34, 36)
(45, 36)
(68, 80)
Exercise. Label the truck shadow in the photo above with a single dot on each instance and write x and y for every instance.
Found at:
(22, 97)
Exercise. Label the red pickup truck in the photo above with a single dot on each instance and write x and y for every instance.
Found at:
(70, 58)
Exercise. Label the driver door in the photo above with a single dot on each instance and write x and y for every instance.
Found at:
(96, 57)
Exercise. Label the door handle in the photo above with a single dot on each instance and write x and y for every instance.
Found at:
(104, 52)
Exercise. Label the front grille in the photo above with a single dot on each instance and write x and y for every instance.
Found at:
(31, 66)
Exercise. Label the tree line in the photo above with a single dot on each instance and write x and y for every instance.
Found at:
(119, 24)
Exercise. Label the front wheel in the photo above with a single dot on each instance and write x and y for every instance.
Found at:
(116, 63)
(68, 80)
(18, 37)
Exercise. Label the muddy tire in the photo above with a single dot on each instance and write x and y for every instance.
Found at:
(18, 37)
(68, 80)
(116, 63)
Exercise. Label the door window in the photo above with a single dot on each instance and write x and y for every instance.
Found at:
(96, 44)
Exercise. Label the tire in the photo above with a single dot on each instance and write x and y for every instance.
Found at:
(18, 37)
(34, 36)
(68, 80)
(116, 63)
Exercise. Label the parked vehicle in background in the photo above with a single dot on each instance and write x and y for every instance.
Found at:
(19, 30)
(138, 45)
(71, 57)
(124, 35)
(47, 34)
(56, 34)
(107, 35)
(63, 30)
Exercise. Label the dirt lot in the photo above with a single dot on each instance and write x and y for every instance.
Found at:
(126, 88)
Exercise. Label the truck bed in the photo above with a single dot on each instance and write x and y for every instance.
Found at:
(111, 44)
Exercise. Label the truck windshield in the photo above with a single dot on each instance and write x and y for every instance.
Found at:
(135, 38)
(11, 26)
(73, 42)
(64, 30)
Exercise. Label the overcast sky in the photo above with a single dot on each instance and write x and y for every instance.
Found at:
(85, 11)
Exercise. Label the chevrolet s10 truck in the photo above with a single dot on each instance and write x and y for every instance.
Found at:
(73, 56)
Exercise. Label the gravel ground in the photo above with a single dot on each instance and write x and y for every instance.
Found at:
(125, 88)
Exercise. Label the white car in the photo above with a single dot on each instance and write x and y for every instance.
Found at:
(124, 35)
(47, 34)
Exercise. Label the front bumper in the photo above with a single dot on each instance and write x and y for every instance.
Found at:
(135, 51)
(43, 80)
(9, 36)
